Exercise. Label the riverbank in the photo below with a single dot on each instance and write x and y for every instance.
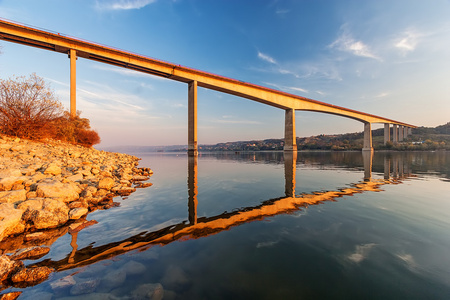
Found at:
(45, 185)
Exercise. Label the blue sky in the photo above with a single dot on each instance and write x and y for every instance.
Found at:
(388, 58)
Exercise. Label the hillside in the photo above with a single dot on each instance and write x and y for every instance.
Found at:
(422, 138)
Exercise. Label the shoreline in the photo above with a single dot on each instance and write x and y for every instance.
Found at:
(52, 186)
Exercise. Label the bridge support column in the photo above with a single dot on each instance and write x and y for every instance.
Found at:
(367, 137)
(400, 133)
(405, 132)
(73, 82)
(395, 134)
(387, 133)
(290, 139)
(192, 119)
(409, 130)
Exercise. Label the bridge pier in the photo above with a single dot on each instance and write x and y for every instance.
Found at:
(395, 134)
(73, 82)
(192, 188)
(192, 119)
(400, 133)
(290, 139)
(387, 133)
(367, 137)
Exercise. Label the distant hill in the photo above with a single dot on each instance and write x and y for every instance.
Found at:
(422, 138)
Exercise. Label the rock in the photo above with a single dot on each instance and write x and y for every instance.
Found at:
(125, 191)
(67, 192)
(53, 169)
(76, 227)
(10, 220)
(13, 196)
(140, 178)
(31, 275)
(112, 280)
(154, 291)
(62, 283)
(133, 268)
(44, 213)
(77, 213)
(76, 177)
(8, 178)
(10, 296)
(36, 236)
(7, 267)
(85, 287)
(30, 253)
(174, 277)
(141, 185)
(106, 183)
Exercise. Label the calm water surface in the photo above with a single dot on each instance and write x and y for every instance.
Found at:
(320, 225)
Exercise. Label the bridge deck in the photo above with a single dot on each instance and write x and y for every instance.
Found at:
(18, 33)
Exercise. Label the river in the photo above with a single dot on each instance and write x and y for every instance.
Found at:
(264, 225)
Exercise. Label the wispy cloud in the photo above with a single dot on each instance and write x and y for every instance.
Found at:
(382, 95)
(123, 4)
(345, 42)
(285, 88)
(266, 58)
(408, 41)
(282, 11)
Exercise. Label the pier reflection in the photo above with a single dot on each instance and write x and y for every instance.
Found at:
(197, 227)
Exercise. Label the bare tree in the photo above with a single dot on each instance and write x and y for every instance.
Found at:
(28, 107)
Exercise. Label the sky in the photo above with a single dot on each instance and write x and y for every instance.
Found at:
(384, 57)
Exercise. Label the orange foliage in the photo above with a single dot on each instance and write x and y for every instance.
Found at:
(30, 109)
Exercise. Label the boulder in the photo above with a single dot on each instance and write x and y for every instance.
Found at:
(10, 296)
(66, 192)
(30, 253)
(10, 220)
(76, 177)
(8, 178)
(44, 213)
(78, 212)
(31, 275)
(53, 169)
(106, 183)
(7, 267)
(13, 196)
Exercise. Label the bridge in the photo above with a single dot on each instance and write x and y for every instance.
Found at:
(74, 48)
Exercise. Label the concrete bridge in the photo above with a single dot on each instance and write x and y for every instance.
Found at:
(17, 33)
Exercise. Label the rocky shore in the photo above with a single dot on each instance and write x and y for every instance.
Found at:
(45, 185)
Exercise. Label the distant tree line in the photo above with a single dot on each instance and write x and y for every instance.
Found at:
(30, 109)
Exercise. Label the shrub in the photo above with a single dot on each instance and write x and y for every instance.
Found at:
(28, 107)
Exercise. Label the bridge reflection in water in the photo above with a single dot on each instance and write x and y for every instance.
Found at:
(197, 227)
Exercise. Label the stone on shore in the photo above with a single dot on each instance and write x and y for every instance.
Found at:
(10, 220)
(66, 192)
(76, 213)
(10, 296)
(31, 275)
(44, 213)
(106, 183)
(8, 267)
(13, 196)
(30, 253)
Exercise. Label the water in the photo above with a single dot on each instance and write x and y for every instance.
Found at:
(322, 225)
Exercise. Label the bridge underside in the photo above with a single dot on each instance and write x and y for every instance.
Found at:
(17, 33)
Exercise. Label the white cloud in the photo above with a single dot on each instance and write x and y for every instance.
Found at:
(345, 42)
(266, 58)
(382, 95)
(284, 88)
(123, 4)
(408, 41)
